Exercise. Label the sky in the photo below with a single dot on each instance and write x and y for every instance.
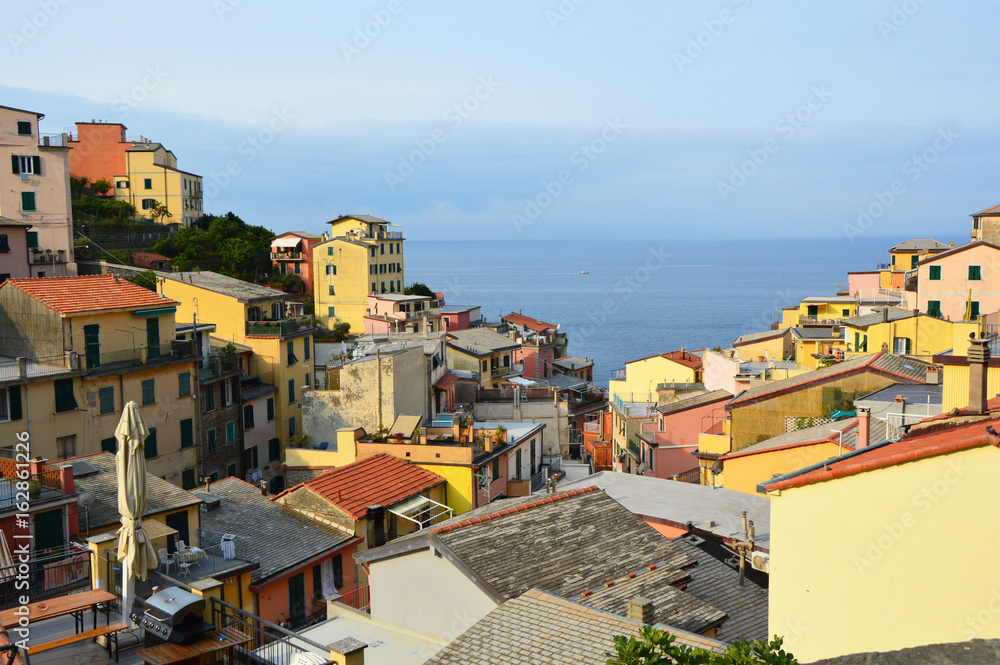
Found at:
(541, 120)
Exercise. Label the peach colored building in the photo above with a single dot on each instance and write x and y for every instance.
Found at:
(98, 151)
(963, 279)
(395, 312)
(670, 444)
(292, 254)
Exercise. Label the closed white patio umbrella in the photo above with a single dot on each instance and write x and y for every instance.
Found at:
(134, 548)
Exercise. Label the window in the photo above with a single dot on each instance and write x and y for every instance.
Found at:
(10, 404)
(26, 164)
(248, 417)
(209, 399)
(151, 451)
(308, 383)
(331, 312)
(495, 470)
(812, 310)
(184, 384)
(212, 443)
(148, 204)
(913, 261)
(381, 248)
(373, 251)
(187, 479)
(250, 458)
(398, 249)
(901, 345)
(934, 273)
(291, 426)
(270, 409)
(305, 349)
(846, 312)
(974, 310)
(230, 433)
(187, 433)
(338, 572)
(273, 450)
(24, 127)
(149, 392)
(390, 248)
(4, 245)
(66, 446)
(32, 239)
(65, 401)
(121, 184)
(291, 353)
(298, 268)
(28, 201)
(109, 445)
(331, 269)
(934, 308)
(329, 251)
(148, 183)
(330, 289)
(317, 583)
(291, 391)
(374, 290)
(230, 469)
(225, 393)
(975, 273)
(107, 396)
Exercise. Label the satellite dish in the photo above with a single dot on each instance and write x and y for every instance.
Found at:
(86, 499)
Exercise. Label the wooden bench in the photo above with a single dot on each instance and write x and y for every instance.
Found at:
(111, 632)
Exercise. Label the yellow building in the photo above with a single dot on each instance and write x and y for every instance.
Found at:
(488, 354)
(259, 318)
(776, 344)
(363, 257)
(76, 349)
(905, 256)
(955, 366)
(817, 345)
(827, 309)
(152, 178)
(900, 331)
(901, 536)
(640, 378)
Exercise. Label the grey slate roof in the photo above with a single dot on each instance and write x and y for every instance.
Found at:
(275, 536)
(572, 363)
(670, 605)
(758, 336)
(368, 219)
(716, 583)
(916, 244)
(815, 332)
(818, 433)
(163, 497)
(899, 365)
(913, 394)
(697, 400)
(538, 627)
(230, 286)
(865, 320)
(480, 341)
(567, 546)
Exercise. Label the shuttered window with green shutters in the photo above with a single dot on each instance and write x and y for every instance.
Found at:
(151, 451)
(65, 401)
(187, 433)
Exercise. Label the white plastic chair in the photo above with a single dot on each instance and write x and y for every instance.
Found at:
(181, 545)
(166, 559)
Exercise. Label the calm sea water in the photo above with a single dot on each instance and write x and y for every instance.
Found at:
(640, 298)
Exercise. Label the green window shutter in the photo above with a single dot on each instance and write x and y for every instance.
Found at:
(230, 433)
(329, 251)
(273, 450)
(975, 310)
(107, 396)
(36, 164)
(187, 433)
(305, 348)
(109, 445)
(331, 290)
(331, 311)
(151, 451)
(149, 392)
(209, 399)
(27, 201)
(15, 402)
(975, 273)
(15, 164)
(184, 384)
(291, 391)
(907, 345)
(291, 426)
(934, 273)
(187, 479)
(270, 408)
(65, 401)
(32, 239)
(211, 440)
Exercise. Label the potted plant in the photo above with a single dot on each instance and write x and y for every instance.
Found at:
(34, 488)
(500, 435)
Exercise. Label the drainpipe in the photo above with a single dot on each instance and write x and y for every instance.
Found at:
(378, 380)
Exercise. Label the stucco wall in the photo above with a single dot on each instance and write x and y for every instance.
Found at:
(555, 436)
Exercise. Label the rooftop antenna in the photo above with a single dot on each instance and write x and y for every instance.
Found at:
(744, 548)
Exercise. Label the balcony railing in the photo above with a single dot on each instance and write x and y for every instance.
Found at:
(592, 426)
(635, 448)
(422, 314)
(53, 140)
(286, 256)
(280, 327)
(359, 599)
(217, 365)
(41, 487)
(145, 355)
(516, 368)
(47, 257)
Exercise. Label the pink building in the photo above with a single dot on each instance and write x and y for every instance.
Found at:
(455, 317)
(669, 445)
(538, 344)
(394, 312)
(292, 254)
(961, 279)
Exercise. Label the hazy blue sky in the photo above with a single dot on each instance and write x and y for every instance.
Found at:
(536, 120)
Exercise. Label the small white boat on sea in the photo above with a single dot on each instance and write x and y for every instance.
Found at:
(584, 272)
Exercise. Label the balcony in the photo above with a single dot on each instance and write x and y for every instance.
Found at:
(280, 327)
(42, 486)
(53, 140)
(422, 314)
(46, 257)
(514, 370)
(286, 256)
(144, 355)
(217, 365)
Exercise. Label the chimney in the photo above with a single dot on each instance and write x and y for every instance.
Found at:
(885, 315)
(864, 428)
(933, 376)
(951, 244)
(375, 531)
(641, 609)
(979, 360)
(347, 651)
(263, 488)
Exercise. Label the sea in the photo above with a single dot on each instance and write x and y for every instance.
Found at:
(621, 300)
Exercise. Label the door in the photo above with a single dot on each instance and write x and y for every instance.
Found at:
(297, 598)
(92, 344)
(153, 337)
(49, 532)
(178, 521)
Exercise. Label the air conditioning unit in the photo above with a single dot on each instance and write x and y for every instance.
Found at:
(761, 561)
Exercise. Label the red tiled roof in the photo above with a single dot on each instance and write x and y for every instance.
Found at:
(515, 509)
(535, 324)
(88, 293)
(909, 449)
(381, 479)
(684, 358)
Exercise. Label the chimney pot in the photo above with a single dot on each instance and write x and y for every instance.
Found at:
(864, 428)
(641, 609)
(263, 487)
(979, 360)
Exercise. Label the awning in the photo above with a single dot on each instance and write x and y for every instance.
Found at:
(522, 382)
(286, 242)
(446, 381)
(421, 511)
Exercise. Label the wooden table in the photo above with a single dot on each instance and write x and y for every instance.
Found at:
(74, 603)
(198, 650)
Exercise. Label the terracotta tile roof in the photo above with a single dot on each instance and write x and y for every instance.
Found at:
(381, 479)
(534, 324)
(911, 448)
(685, 358)
(89, 293)
(446, 381)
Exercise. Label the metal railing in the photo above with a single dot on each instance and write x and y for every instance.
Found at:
(143, 355)
(280, 327)
(47, 257)
(217, 365)
(359, 599)
(592, 426)
(270, 644)
(12, 369)
(41, 487)
(635, 448)
(48, 577)
(286, 256)
(53, 140)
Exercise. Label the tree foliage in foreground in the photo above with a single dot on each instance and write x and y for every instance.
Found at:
(658, 647)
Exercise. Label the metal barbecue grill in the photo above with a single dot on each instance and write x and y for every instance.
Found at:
(170, 615)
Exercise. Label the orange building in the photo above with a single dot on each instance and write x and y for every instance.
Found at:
(98, 151)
